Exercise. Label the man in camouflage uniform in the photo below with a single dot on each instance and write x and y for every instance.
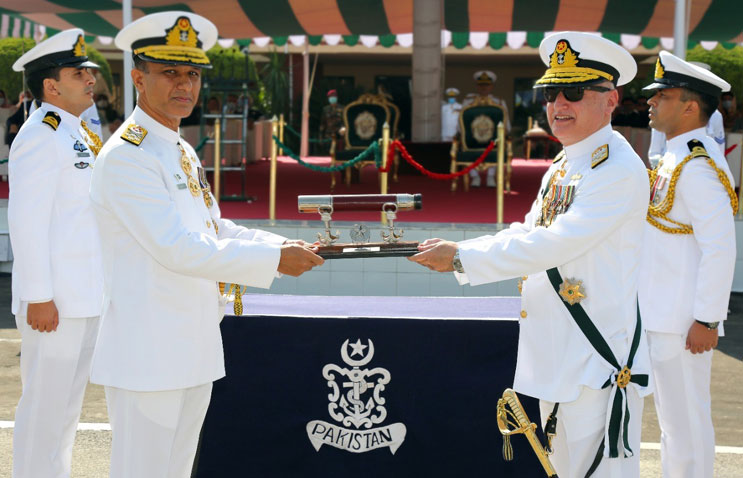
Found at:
(331, 123)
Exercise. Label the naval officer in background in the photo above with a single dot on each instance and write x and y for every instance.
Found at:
(688, 264)
(57, 273)
(582, 349)
(165, 251)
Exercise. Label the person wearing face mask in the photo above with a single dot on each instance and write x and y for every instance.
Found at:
(732, 119)
(331, 122)
(450, 115)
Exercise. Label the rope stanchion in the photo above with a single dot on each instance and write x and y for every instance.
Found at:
(404, 153)
(373, 149)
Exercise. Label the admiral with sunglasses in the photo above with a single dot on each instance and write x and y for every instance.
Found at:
(582, 349)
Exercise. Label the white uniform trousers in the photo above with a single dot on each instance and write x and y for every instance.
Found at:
(580, 429)
(155, 434)
(683, 404)
(55, 367)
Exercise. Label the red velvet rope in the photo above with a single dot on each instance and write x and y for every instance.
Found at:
(729, 149)
(404, 153)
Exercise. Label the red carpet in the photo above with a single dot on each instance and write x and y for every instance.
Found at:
(439, 203)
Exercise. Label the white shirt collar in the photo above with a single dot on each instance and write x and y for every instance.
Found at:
(680, 141)
(155, 127)
(585, 147)
(66, 117)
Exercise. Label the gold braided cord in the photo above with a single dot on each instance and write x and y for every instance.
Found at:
(94, 138)
(174, 53)
(561, 75)
(661, 210)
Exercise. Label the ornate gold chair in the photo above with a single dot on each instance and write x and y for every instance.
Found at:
(478, 125)
(364, 120)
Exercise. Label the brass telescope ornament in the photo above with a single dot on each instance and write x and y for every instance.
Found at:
(389, 204)
(515, 421)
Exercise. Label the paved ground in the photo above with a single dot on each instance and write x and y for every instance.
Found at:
(90, 459)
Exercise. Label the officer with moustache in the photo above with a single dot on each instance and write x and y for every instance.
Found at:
(57, 272)
(582, 348)
(688, 264)
(166, 250)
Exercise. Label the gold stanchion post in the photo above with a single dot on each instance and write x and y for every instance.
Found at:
(383, 177)
(281, 132)
(272, 180)
(501, 154)
(529, 124)
(217, 159)
(739, 212)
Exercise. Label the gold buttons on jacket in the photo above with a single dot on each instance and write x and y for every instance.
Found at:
(520, 284)
(523, 314)
(208, 224)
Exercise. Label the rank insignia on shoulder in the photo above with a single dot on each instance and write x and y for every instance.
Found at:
(52, 119)
(559, 156)
(134, 134)
(697, 149)
(599, 155)
(82, 165)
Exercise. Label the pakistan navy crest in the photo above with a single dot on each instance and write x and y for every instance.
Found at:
(356, 405)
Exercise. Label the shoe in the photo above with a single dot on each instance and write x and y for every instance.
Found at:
(475, 181)
(491, 182)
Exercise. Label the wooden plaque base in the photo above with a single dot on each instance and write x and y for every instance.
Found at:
(369, 249)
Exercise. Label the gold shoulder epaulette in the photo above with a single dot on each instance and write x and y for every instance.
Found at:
(599, 155)
(52, 119)
(559, 156)
(134, 134)
(697, 149)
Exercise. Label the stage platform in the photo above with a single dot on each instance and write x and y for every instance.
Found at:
(440, 204)
(365, 387)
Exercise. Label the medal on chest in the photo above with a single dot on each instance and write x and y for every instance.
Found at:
(557, 197)
(661, 180)
(187, 167)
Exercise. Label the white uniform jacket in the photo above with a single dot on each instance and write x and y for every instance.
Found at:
(598, 241)
(162, 260)
(689, 276)
(450, 120)
(56, 247)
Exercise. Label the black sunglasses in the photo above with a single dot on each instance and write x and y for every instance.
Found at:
(571, 93)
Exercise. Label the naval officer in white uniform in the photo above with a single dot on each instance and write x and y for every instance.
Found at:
(582, 349)
(688, 264)
(165, 250)
(57, 271)
(450, 110)
(485, 81)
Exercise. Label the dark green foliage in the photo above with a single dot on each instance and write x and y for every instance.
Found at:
(13, 48)
(727, 64)
(105, 70)
(10, 50)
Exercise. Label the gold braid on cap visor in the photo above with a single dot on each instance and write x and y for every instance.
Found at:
(174, 53)
(573, 75)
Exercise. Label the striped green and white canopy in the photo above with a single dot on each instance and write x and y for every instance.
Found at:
(476, 23)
